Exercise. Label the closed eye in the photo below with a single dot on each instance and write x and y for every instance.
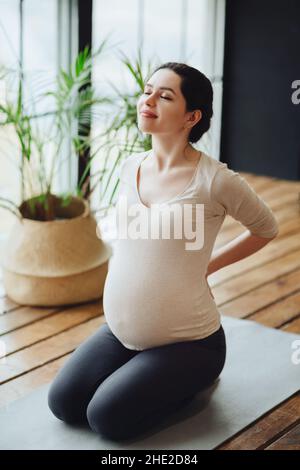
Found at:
(164, 97)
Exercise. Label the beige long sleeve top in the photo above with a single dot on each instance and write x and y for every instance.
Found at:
(155, 292)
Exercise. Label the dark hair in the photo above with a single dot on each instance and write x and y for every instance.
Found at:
(198, 93)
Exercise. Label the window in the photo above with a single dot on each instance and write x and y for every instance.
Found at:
(41, 37)
(9, 54)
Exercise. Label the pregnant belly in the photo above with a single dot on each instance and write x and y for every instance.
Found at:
(145, 309)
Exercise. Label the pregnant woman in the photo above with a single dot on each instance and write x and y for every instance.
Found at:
(163, 340)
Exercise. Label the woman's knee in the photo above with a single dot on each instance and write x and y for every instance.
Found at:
(57, 400)
(109, 420)
(61, 401)
(101, 419)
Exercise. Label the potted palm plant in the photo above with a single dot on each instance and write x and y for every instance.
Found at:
(54, 254)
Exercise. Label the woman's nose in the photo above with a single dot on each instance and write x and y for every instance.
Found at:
(150, 99)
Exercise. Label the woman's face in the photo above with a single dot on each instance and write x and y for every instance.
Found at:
(168, 105)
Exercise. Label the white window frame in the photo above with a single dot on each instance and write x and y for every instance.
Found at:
(215, 41)
(67, 49)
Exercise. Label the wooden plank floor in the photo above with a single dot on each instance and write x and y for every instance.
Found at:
(265, 288)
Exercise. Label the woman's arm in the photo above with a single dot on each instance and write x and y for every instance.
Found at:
(232, 195)
(240, 247)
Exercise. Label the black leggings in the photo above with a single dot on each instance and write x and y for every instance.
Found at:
(122, 392)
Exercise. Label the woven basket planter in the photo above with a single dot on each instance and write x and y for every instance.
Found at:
(59, 262)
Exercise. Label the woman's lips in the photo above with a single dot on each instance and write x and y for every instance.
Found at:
(148, 115)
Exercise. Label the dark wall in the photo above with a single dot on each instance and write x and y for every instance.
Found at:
(260, 124)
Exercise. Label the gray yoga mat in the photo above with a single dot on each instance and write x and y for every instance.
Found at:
(258, 375)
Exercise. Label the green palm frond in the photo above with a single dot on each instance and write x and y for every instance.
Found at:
(73, 106)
